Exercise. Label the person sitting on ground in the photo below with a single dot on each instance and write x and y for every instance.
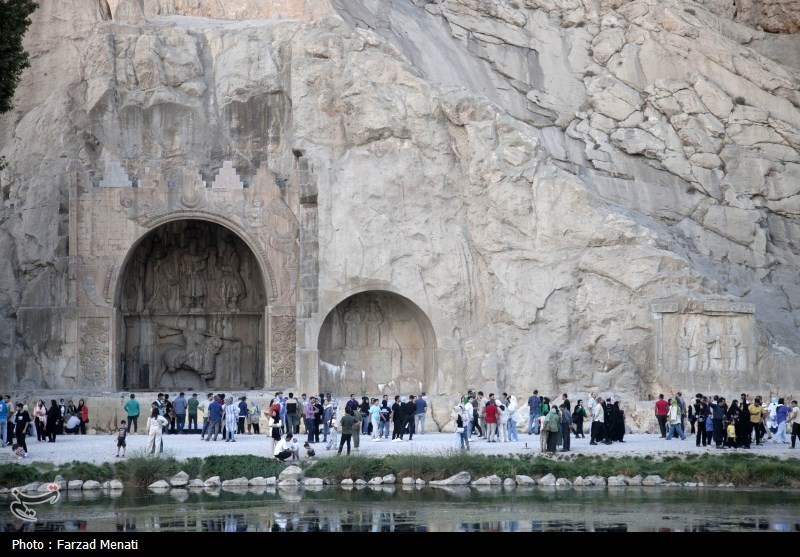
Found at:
(310, 452)
(282, 449)
(18, 451)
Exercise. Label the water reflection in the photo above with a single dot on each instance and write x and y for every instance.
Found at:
(419, 509)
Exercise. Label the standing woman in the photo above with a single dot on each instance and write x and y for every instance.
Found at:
(40, 420)
(375, 418)
(83, 414)
(617, 423)
(231, 413)
(71, 410)
(54, 421)
(21, 421)
(275, 421)
(155, 426)
(364, 408)
(578, 414)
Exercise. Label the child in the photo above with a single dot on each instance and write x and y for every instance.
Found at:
(122, 433)
(18, 450)
(310, 452)
(730, 437)
(333, 436)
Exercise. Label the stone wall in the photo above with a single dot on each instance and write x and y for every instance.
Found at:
(531, 176)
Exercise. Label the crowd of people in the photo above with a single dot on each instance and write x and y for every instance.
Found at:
(43, 421)
(493, 419)
(736, 425)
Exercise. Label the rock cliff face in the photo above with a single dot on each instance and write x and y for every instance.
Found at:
(578, 195)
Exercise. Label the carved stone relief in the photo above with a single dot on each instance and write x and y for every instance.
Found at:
(374, 341)
(193, 305)
(282, 350)
(94, 351)
(709, 345)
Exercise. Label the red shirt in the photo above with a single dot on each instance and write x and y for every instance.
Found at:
(662, 407)
(491, 414)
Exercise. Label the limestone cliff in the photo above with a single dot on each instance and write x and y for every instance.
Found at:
(563, 187)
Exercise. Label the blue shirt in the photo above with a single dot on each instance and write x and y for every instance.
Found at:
(215, 411)
(3, 410)
(421, 405)
(781, 412)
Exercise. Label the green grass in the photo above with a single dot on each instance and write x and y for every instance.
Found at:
(743, 470)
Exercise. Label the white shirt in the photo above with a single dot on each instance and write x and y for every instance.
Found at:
(281, 446)
(598, 414)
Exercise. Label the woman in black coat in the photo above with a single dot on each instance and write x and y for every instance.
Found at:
(53, 421)
(617, 423)
(366, 426)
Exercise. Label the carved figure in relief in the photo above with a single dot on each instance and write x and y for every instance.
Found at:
(729, 345)
(352, 325)
(198, 354)
(231, 285)
(686, 350)
(708, 343)
(373, 319)
(161, 277)
(193, 264)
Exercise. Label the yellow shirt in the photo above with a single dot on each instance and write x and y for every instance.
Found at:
(756, 413)
(731, 431)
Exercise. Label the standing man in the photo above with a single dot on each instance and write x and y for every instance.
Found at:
(179, 407)
(661, 411)
(682, 408)
(534, 409)
(757, 414)
(397, 419)
(169, 413)
(4, 409)
(292, 418)
(565, 401)
(214, 419)
(244, 410)
(131, 406)
(718, 409)
(351, 404)
(191, 411)
(309, 411)
(203, 407)
(419, 415)
(793, 422)
(513, 434)
(409, 408)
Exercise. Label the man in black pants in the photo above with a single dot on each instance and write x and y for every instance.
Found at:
(409, 409)
(397, 419)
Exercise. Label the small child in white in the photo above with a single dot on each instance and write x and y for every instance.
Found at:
(122, 434)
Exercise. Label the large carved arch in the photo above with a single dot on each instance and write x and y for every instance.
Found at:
(191, 302)
(376, 341)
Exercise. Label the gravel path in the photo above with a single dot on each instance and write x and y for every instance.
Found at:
(102, 448)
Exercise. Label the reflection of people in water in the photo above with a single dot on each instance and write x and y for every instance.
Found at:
(193, 264)
(231, 286)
